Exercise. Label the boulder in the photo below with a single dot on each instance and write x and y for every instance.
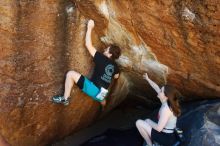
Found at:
(176, 42)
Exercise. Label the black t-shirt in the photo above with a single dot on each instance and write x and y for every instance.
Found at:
(104, 70)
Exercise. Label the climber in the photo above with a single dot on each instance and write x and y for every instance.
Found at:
(163, 131)
(105, 70)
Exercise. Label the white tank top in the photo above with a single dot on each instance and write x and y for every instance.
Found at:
(171, 123)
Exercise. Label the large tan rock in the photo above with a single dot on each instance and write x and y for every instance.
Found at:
(175, 42)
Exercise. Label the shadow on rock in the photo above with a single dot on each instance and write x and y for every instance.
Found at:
(200, 122)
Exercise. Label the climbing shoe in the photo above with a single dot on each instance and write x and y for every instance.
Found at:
(60, 100)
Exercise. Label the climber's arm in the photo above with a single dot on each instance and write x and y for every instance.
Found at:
(89, 45)
(164, 117)
(153, 84)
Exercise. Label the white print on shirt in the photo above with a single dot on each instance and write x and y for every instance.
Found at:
(109, 70)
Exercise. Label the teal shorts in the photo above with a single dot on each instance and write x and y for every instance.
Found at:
(88, 87)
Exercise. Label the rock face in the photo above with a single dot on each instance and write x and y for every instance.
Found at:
(176, 42)
(204, 124)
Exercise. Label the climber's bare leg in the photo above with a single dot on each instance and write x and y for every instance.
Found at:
(72, 78)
